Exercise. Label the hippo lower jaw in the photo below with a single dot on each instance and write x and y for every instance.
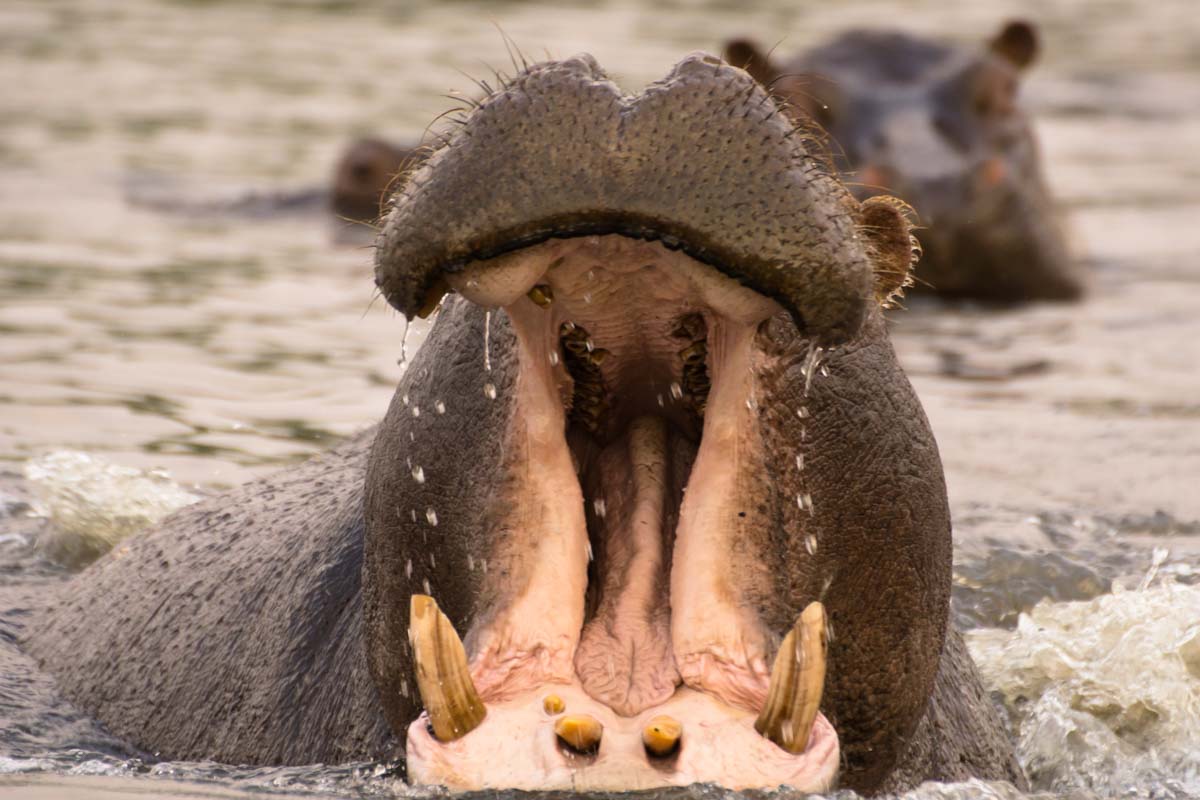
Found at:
(635, 391)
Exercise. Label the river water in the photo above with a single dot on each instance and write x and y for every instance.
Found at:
(148, 356)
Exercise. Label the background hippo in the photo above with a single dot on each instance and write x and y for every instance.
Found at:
(362, 177)
(623, 486)
(940, 126)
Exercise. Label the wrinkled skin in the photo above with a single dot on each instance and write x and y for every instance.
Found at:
(942, 127)
(621, 526)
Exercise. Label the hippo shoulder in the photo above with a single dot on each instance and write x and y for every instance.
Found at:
(243, 616)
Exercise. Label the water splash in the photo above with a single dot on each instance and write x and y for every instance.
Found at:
(1104, 693)
(93, 503)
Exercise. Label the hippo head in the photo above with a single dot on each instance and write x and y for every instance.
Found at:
(363, 176)
(619, 468)
(941, 127)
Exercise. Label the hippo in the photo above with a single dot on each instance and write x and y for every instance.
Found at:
(653, 505)
(365, 171)
(942, 127)
(364, 174)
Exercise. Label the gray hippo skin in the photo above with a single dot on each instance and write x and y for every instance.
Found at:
(656, 426)
(940, 126)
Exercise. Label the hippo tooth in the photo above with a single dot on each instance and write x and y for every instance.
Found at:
(432, 298)
(661, 735)
(443, 677)
(542, 295)
(580, 732)
(797, 680)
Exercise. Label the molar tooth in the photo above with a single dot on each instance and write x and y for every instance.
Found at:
(661, 735)
(797, 680)
(443, 677)
(580, 732)
(694, 353)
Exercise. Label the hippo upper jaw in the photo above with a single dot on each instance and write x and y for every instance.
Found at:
(661, 284)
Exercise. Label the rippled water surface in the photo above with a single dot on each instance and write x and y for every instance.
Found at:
(217, 340)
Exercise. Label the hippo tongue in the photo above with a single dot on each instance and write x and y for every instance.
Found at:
(624, 658)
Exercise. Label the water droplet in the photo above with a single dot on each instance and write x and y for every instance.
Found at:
(408, 569)
(439, 407)
(589, 551)
(416, 411)
(800, 461)
(413, 513)
(591, 275)
(404, 687)
(600, 507)
(431, 517)
(590, 345)
(676, 390)
(470, 562)
(483, 565)
(404, 398)
(489, 391)
(418, 474)
(824, 370)
(426, 586)
(554, 358)
(802, 412)
(403, 359)
(808, 502)
(751, 403)
(810, 544)
(800, 501)
(587, 297)
(432, 561)
(487, 332)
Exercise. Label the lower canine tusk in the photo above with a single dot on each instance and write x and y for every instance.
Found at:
(797, 680)
(443, 677)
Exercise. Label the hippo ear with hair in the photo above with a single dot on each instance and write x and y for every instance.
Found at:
(1017, 42)
(886, 225)
(746, 54)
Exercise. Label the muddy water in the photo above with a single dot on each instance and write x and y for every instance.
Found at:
(156, 315)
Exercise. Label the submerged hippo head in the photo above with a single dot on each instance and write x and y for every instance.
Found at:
(364, 175)
(941, 127)
(647, 465)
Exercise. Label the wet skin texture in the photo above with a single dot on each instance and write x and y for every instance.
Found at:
(942, 127)
(270, 625)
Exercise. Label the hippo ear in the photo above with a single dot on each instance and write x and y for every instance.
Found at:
(886, 225)
(746, 54)
(1017, 42)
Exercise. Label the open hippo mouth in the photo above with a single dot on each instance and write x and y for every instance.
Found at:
(639, 596)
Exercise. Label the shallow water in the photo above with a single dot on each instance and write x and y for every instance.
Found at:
(1069, 434)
